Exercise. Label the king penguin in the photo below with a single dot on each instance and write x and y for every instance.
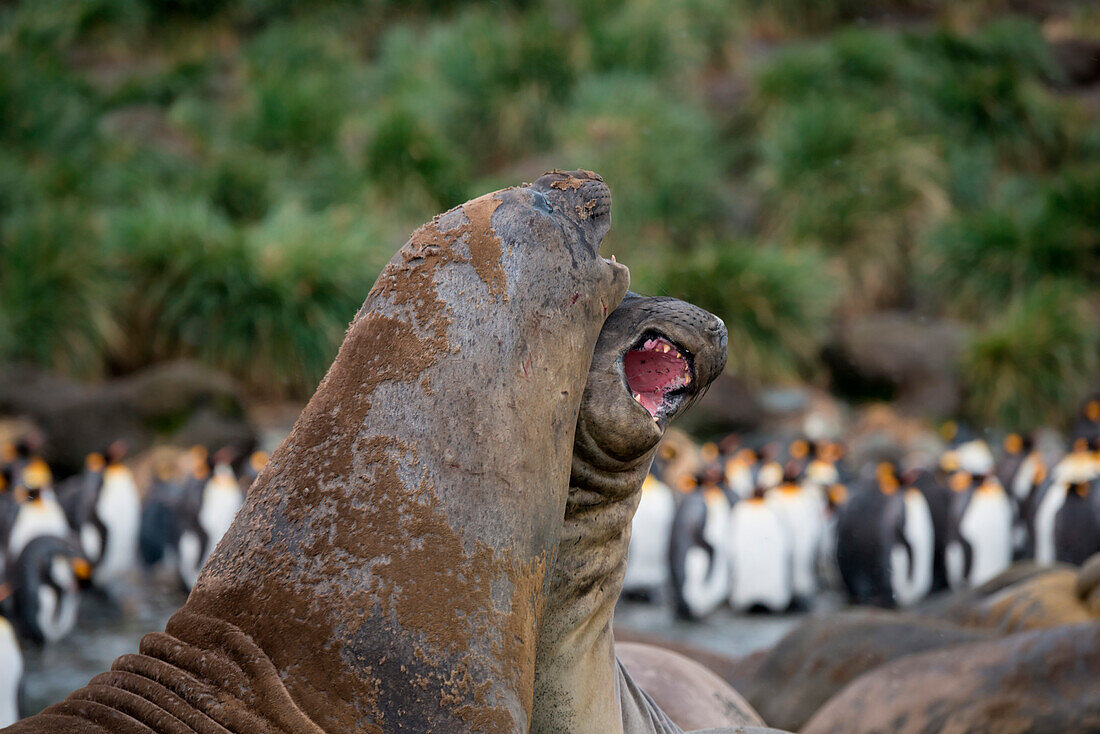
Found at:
(45, 578)
(800, 508)
(980, 544)
(38, 513)
(869, 524)
(647, 566)
(911, 562)
(1079, 466)
(207, 519)
(106, 515)
(760, 556)
(1020, 471)
(698, 550)
(12, 705)
(1077, 524)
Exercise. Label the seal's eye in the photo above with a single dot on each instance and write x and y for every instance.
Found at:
(540, 202)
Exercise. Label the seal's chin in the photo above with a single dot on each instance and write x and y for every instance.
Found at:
(659, 375)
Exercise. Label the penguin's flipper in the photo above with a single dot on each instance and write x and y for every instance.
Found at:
(903, 541)
(968, 556)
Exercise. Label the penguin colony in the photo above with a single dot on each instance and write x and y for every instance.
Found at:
(758, 529)
(766, 528)
(91, 529)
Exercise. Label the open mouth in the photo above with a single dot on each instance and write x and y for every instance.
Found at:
(658, 374)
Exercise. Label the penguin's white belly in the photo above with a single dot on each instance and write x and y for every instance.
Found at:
(912, 583)
(647, 556)
(119, 509)
(1048, 508)
(219, 507)
(42, 517)
(56, 614)
(987, 526)
(11, 673)
(760, 558)
(190, 558)
(1024, 480)
(828, 570)
(800, 515)
(706, 577)
(740, 481)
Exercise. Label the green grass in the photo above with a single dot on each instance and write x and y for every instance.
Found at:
(1034, 363)
(225, 177)
(775, 305)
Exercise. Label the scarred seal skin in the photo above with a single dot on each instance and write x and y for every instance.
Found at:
(1042, 682)
(655, 352)
(387, 571)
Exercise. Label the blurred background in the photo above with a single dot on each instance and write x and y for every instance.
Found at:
(894, 206)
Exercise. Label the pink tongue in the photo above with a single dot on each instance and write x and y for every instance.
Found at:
(651, 374)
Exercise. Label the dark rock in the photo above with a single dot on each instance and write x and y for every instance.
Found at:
(901, 356)
(175, 402)
(729, 405)
(1078, 59)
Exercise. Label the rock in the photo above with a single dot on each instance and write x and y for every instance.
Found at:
(728, 405)
(819, 658)
(179, 402)
(1041, 682)
(904, 354)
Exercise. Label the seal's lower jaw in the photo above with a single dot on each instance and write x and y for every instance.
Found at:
(659, 376)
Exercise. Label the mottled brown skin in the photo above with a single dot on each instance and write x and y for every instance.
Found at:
(814, 662)
(817, 659)
(387, 570)
(1038, 682)
(579, 687)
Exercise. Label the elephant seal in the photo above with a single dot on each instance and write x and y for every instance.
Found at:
(817, 659)
(690, 694)
(653, 359)
(1041, 682)
(387, 570)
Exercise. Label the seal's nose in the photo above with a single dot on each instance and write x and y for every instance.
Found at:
(717, 331)
(597, 199)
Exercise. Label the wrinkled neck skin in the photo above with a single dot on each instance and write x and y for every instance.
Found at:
(578, 687)
(388, 568)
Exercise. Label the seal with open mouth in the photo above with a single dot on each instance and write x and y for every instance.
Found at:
(654, 358)
(387, 570)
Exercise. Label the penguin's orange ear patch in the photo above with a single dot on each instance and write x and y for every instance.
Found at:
(94, 462)
(82, 569)
(37, 475)
(687, 483)
(838, 494)
(959, 481)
